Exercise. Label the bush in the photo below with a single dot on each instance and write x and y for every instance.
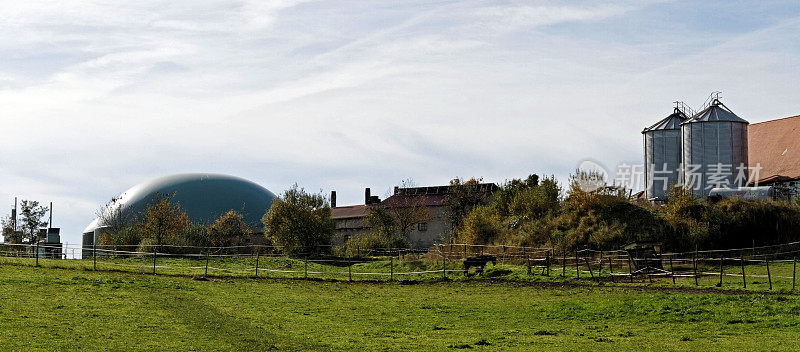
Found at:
(126, 239)
(227, 228)
(482, 226)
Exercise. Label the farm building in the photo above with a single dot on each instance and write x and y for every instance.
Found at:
(203, 196)
(775, 151)
(429, 204)
(703, 151)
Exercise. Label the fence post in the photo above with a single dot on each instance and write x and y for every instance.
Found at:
(547, 262)
(503, 261)
(694, 267)
(577, 265)
(769, 276)
(564, 264)
(744, 278)
(305, 267)
(444, 265)
(94, 254)
(258, 255)
(154, 259)
(207, 255)
(36, 253)
(465, 251)
(671, 269)
(589, 267)
(794, 273)
(720, 271)
(600, 271)
(528, 264)
(391, 268)
(611, 267)
(349, 269)
(630, 269)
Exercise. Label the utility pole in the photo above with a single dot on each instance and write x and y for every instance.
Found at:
(14, 215)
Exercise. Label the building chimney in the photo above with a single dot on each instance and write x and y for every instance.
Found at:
(333, 199)
(396, 189)
(366, 196)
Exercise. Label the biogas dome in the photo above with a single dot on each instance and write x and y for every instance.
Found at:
(203, 196)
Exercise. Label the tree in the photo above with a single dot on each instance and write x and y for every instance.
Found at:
(113, 217)
(8, 231)
(462, 199)
(226, 228)
(31, 214)
(407, 211)
(163, 222)
(299, 221)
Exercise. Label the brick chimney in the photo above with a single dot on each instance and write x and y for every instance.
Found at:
(333, 199)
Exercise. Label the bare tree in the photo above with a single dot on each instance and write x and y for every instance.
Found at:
(407, 210)
(114, 216)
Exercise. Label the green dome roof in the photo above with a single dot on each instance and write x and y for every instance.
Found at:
(204, 197)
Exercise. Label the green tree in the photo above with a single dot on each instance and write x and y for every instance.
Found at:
(8, 231)
(462, 199)
(163, 222)
(226, 228)
(31, 214)
(299, 222)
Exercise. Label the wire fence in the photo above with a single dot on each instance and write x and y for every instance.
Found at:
(771, 267)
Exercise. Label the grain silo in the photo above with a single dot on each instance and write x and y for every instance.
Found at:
(714, 148)
(662, 155)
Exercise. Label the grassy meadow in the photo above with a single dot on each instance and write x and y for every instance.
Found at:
(71, 307)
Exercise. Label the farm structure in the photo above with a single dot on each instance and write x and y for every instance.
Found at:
(715, 150)
(429, 204)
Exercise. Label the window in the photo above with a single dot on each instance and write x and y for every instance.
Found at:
(423, 226)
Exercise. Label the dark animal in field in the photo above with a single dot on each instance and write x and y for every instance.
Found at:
(478, 262)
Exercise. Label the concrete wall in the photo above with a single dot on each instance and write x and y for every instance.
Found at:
(420, 237)
(437, 227)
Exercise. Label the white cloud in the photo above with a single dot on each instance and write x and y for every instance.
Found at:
(102, 95)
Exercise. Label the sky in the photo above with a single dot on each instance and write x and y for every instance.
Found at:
(97, 96)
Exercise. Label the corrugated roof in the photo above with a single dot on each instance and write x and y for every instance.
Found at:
(349, 212)
(671, 122)
(775, 146)
(715, 112)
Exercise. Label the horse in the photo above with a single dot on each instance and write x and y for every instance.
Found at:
(478, 262)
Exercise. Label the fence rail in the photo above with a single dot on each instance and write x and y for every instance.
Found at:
(748, 266)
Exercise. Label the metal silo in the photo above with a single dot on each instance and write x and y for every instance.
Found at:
(714, 149)
(662, 155)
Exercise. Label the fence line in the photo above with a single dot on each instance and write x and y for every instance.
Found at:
(441, 260)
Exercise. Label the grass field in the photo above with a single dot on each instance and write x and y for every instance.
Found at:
(70, 309)
(426, 268)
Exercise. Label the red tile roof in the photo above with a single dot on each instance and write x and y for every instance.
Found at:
(775, 146)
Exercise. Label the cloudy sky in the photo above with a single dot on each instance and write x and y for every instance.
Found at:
(96, 96)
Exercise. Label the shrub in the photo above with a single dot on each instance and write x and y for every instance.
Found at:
(482, 226)
(226, 228)
(125, 239)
